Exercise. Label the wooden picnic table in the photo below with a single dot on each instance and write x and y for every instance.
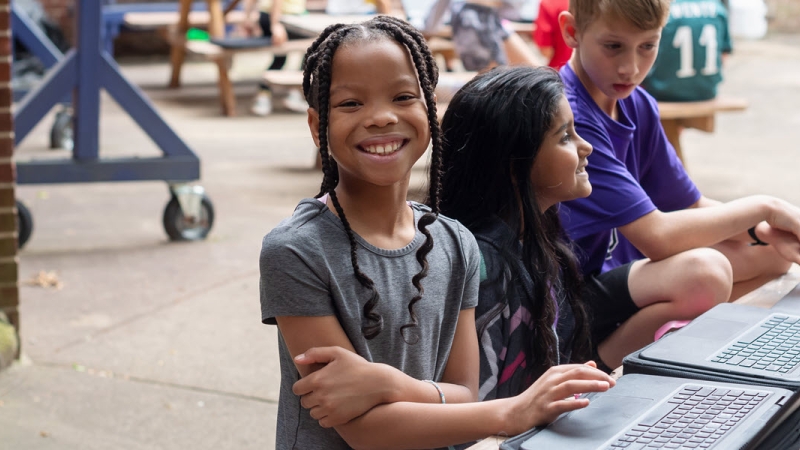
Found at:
(313, 24)
(701, 115)
(214, 19)
(764, 296)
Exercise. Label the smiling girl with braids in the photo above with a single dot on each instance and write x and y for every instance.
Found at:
(373, 295)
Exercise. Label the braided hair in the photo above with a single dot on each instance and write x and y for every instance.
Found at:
(488, 162)
(316, 88)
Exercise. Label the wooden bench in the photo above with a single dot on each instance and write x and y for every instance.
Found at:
(222, 57)
(699, 115)
(166, 19)
(175, 24)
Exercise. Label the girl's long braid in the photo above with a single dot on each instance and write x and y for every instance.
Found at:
(322, 78)
(316, 88)
(428, 74)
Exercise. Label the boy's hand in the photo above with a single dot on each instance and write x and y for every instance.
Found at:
(347, 387)
(555, 393)
(248, 28)
(786, 244)
(785, 217)
(279, 35)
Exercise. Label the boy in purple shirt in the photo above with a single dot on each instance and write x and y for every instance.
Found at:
(653, 248)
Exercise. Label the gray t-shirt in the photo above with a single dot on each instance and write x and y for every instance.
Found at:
(306, 271)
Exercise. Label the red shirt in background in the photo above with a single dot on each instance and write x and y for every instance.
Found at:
(548, 34)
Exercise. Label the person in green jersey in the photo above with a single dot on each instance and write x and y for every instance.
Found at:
(689, 63)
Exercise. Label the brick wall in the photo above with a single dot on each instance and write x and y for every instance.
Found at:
(9, 290)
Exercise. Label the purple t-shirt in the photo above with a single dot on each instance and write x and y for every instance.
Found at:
(633, 170)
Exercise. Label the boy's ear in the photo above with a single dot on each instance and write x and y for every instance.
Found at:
(313, 125)
(566, 22)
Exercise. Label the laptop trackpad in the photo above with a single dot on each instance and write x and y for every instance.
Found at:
(715, 329)
(589, 427)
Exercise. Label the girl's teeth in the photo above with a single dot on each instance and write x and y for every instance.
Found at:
(382, 149)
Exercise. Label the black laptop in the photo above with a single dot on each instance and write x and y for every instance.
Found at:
(736, 339)
(647, 411)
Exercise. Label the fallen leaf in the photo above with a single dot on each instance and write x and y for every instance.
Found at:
(45, 280)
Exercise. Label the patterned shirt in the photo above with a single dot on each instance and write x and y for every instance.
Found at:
(504, 323)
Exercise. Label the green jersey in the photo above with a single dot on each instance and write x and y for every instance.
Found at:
(690, 54)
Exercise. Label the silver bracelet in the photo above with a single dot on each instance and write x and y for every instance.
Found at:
(441, 392)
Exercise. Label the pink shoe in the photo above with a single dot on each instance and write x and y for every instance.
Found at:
(669, 327)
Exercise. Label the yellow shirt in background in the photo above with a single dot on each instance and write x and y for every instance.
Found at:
(289, 6)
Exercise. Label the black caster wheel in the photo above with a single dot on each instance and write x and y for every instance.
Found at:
(24, 224)
(61, 135)
(182, 228)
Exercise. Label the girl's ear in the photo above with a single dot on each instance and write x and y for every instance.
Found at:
(566, 22)
(313, 125)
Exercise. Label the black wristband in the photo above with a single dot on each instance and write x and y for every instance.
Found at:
(756, 240)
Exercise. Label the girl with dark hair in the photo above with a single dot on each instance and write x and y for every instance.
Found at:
(510, 156)
(375, 349)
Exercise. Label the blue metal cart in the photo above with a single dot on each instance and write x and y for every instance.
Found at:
(83, 71)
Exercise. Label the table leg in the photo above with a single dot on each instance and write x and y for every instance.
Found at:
(216, 28)
(178, 51)
(226, 97)
(672, 128)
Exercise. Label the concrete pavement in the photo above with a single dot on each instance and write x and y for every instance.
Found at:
(150, 344)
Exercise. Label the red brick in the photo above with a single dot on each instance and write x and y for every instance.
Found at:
(8, 271)
(9, 296)
(5, 18)
(6, 147)
(6, 121)
(5, 95)
(8, 222)
(8, 246)
(7, 197)
(5, 73)
(6, 172)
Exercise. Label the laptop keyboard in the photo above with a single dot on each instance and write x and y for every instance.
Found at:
(695, 417)
(773, 346)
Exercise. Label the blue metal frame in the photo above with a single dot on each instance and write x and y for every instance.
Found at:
(29, 34)
(26, 32)
(85, 70)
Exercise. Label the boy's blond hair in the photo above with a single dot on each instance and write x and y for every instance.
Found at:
(643, 14)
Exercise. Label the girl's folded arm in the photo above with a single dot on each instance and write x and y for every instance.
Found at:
(373, 383)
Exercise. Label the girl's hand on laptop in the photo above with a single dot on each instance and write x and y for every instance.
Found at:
(347, 387)
(554, 393)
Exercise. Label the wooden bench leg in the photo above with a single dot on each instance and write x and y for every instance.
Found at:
(226, 97)
(178, 51)
(672, 128)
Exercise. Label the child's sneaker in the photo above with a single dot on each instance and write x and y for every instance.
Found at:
(262, 103)
(295, 102)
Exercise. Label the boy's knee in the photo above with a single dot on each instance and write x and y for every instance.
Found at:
(776, 265)
(706, 281)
